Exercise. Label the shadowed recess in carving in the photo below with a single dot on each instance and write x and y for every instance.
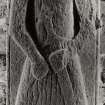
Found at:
(30, 25)
(103, 76)
(31, 29)
(76, 19)
(30, 22)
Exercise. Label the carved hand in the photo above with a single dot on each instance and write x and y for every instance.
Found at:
(39, 69)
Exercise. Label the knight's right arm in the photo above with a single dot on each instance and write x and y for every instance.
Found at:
(24, 41)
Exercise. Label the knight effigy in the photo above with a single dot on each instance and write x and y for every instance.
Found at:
(52, 52)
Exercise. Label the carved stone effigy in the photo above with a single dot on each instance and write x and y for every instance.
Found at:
(52, 52)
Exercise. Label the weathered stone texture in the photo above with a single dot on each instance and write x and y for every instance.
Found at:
(64, 33)
(102, 37)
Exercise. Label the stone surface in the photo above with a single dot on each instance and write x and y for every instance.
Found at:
(3, 79)
(53, 26)
(102, 37)
(3, 72)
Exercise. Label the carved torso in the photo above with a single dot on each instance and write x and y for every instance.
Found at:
(54, 25)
